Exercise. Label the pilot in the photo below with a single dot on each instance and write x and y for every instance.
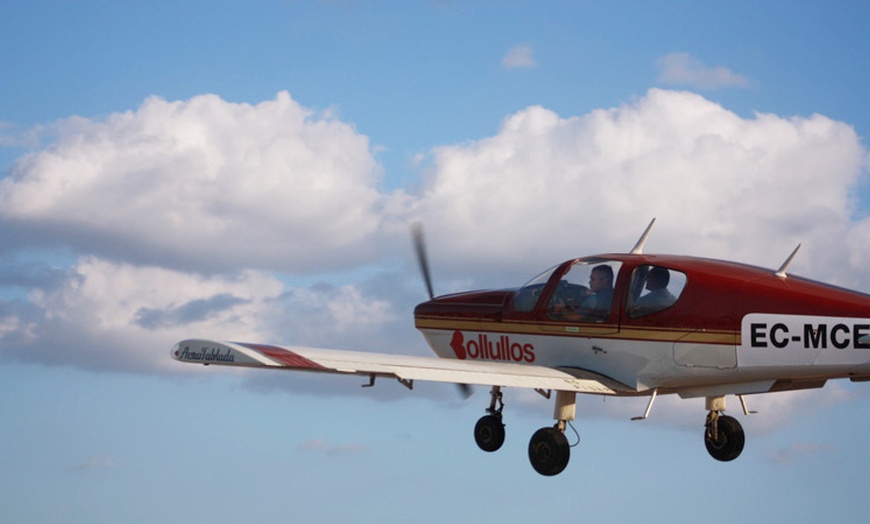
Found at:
(601, 288)
(594, 306)
(658, 297)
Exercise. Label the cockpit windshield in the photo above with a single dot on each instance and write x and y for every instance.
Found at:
(528, 295)
(584, 291)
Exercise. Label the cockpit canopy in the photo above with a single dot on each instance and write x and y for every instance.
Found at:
(582, 290)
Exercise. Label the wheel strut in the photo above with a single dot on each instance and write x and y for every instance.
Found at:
(566, 408)
(489, 431)
(549, 451)
(715, 406)
(495, 398)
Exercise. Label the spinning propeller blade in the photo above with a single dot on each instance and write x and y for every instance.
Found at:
(420, 246)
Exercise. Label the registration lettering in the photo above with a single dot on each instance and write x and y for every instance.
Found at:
(781, 332)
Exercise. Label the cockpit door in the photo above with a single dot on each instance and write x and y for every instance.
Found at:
(580, 299)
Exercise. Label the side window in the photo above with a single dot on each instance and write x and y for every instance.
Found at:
(585, 292)
(653, 289)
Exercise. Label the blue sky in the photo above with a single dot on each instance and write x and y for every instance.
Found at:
(248, 170)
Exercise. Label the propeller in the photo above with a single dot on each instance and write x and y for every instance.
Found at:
(420, 247)
(422, 259)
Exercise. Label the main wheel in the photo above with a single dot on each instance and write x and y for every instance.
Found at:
(549, 451)
(727, 443)
(489, 433)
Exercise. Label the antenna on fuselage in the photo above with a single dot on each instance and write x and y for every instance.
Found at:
(781, 271)
(638, 248)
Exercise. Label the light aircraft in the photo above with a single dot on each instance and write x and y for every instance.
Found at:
(616, 324)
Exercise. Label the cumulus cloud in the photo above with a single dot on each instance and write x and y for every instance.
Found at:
(685, 70)
(121, 317)
(113, 316)
(519, 57)
(344, 316)
(202, 183)
(13, 329)
(548, 187)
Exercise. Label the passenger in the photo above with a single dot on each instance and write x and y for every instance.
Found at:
(658, 297)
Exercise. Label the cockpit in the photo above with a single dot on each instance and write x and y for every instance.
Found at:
(585, 290)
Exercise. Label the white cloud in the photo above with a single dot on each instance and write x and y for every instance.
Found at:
(207, 185)
(547, 188)
(106, 315)
(346, 307)
(12, 327)
(519, 57)
(685, 70)
(203, 183)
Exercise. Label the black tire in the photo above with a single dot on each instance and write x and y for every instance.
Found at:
(489, 433)
(728, 444)
(549, 451)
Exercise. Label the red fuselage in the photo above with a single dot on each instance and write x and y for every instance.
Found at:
(728, 322)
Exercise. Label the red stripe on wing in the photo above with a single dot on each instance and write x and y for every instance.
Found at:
(283, 356)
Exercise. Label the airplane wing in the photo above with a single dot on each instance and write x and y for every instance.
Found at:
(405, 368)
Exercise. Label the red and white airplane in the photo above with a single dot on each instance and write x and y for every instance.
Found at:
(616, 324)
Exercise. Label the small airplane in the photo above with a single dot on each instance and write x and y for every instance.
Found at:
(615, 324)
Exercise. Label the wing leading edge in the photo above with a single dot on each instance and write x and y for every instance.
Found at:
(405, 368)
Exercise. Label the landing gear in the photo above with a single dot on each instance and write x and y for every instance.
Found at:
(489, 430)
(723, 435)
(489, 433)
(549, 451)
